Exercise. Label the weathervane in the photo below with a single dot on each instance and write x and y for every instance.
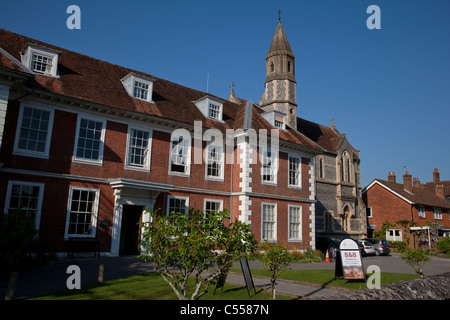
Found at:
(279, 15)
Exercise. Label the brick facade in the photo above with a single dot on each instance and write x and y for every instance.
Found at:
(392, 202)
(84, 186)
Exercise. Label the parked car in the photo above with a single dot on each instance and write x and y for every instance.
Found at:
(381, 246)
(368, 248)
(360, 246)
(332, 245)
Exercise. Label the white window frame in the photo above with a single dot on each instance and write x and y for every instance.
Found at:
(214, 111)
(217, 201)
(174, 154)
(101, 145)
(95, 207)
(40, 60)
(136, 84)
(141, 89)
(11, 183)
(437, 213)
(369, 215)
(421, 212)
(299, 237)
(33, 153)
(299, 171)
(128, 164)
(219, 161)
(172, 197)
(273, 168)
(263, 221)
(394, 237)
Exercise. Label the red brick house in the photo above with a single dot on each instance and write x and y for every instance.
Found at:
(391, 201)
(87, 146)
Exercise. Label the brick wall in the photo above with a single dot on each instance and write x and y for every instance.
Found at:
(385, 206)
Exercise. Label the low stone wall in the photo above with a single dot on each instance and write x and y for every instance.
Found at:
(435, 287)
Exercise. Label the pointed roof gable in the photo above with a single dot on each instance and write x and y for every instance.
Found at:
(418, 196)
(280, 43)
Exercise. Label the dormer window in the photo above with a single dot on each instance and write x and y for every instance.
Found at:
(138, 86)
(211, 108)
(41, 60)
(141, 90)
(276, 119)
(215, 111)
(41, 63)
(279, 122)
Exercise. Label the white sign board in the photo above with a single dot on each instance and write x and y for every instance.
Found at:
(351, 260)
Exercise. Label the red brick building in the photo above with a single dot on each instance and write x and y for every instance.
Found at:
(391, 201)
(88, 146)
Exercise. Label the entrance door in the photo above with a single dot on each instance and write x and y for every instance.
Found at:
(130, 233)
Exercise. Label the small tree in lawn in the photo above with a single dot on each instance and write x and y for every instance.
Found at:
(276, 258)
(183, 246)
(416, 259)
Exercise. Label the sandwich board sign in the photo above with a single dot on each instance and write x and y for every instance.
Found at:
(350, 261)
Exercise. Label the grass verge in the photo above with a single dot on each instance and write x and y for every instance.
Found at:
(151, 286)
(326, 278)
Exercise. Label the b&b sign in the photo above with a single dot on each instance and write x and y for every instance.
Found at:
(352, 267)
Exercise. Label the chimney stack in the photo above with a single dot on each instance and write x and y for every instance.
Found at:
(439, 190)
(416, 182)
(436, 176)
(391, 177)
(407, 182)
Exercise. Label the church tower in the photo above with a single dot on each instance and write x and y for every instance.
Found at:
(280, 86)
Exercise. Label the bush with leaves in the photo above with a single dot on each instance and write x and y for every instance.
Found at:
(443, 245)
(18, 237)
(416, 259)
(275, 259)
(183, 246)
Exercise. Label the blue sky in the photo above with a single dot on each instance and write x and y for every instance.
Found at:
(387, 89)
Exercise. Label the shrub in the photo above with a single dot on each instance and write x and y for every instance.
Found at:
(18, 237)
(399, 246)
(182, 246)
(275, 259)
(443, 245)
(416, 259)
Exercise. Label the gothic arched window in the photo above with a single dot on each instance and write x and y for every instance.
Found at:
(346, 167)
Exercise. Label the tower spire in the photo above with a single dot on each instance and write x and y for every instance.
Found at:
(280, 87)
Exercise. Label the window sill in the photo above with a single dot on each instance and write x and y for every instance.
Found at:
(90, 162)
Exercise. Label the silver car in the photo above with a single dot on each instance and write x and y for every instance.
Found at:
(381, 246)
(368, 248)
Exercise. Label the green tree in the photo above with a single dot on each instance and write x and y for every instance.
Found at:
(416, 259)
(183, 246)
(276, 258)
(18, 238)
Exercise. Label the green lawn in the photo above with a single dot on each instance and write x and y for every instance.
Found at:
(151, 286)
(326, 277)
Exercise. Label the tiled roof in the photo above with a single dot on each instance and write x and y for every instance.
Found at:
(418, 196)
(323, 136)
(92, 80)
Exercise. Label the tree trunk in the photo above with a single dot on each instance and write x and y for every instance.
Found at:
(272, 287)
